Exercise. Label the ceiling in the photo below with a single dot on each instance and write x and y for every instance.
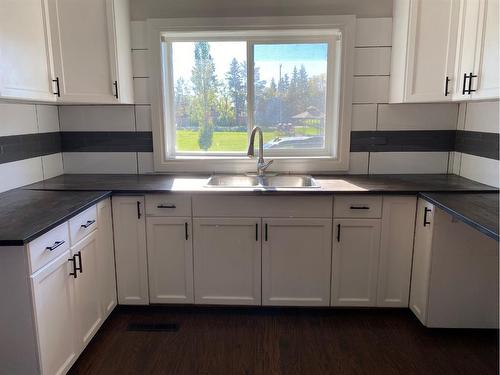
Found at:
(143, 9)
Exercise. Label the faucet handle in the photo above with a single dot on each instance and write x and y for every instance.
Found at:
(266, 165)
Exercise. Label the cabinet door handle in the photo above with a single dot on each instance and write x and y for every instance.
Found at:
(464, 91)
(359, 208)
(166, 206)
(470, 90)
(256, 232)
(55, 245)
(58, 90)
(80, 264)
(186, 231)
(87, 224)
(139, 210)
(446, 86)
(74, 273)
(426, 210)
(338, 232)
(115, 84)
(265, 232)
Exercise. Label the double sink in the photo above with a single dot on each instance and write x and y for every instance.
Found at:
(266, 181)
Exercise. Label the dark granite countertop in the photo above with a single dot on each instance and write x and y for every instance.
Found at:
(27, 214)
(139, 184)
(479, 210)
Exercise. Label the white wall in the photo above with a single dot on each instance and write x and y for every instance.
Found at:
(143, 9)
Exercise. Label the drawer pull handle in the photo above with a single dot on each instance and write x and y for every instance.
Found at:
(88, 224)
(55, 245)
(166, 206)
(426, 211)
(360, 208)
(74, 273)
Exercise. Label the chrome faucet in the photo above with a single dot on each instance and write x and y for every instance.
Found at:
(261, 164)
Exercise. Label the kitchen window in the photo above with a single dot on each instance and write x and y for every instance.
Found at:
(217, 85)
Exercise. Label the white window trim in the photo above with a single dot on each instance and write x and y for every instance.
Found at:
(217, 163)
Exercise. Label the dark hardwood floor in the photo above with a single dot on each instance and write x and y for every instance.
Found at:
(284, 341)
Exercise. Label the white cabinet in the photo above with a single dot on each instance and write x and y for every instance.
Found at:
(54, 314)
(396, 250)
(88, 40)
(296, 261)
(227, 261)
(455, 273)
(25, 54)
(356, 247)
(170, 259)
(130, 250)
(423, 50)
(88, 310)
(106, 257)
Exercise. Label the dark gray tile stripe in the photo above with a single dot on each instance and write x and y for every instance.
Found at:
(107, 141)
(478, 143)
(411, 140)
(26, 146)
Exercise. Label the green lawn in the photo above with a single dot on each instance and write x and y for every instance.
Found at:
(187, 140)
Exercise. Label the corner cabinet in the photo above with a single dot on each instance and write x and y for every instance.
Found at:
(129, 225)
(444, 50)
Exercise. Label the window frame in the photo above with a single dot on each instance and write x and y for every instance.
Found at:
(254, 30)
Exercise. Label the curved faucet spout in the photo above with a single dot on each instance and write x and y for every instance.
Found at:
(261, 164)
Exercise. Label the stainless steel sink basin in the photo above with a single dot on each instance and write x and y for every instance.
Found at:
(271, 181)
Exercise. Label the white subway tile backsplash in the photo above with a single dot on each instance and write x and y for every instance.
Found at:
(52, 165)
(16, 119)
(454, 162)
(372, 61)
(370, 89)
(408, 162)
(374, 32)
(141, 93)
(480, 169)
(417, 116)
(138, 35)
(145, 162)
(97, 118)
(21, 172)
(100, 162)
(140, 63)
(462, 109)
(482, 117)
(358, 162)
(48, 118)
(143, 118)
(364, 117)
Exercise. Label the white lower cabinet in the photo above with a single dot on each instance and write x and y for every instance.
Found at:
(54, 313)
(130, 250)
(170, 259)
(356, 246)
(227, 261)
(106, 257)
(296, 260)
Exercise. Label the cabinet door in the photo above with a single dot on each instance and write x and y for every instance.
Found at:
(422, 259)
(431, 50)
(355, 262)
(106, 257)
(83, 48)
(396, 250)
(55, 315)
(487, 84)
(25, 51)
(296, 261)
(87, 290)
(227, 261)
(130, 250)
(170, 259)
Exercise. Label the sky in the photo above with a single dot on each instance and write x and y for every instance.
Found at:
(267, 57)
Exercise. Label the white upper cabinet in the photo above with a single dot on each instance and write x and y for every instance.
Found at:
(444, 50)
(25, 68)
(88, 38)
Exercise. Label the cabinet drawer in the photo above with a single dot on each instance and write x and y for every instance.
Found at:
(83, 224)
(48, 247)
(357, 206)
(168, 205)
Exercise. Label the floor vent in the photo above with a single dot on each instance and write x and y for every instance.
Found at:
(153, 327)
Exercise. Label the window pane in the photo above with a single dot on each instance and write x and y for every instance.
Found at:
(210, 96)
(290, 94)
